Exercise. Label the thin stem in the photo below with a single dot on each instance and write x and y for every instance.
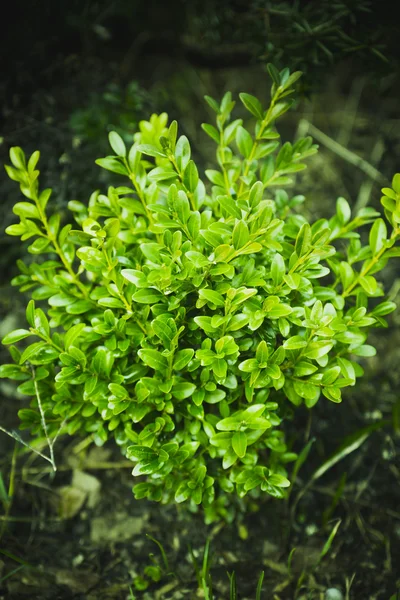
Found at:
(368, 267)
(57, 247)
(190, 195)
(266, 121)
(15, 436)
(344, 153)
(226, 180)
(44, 424)
(141, 197)
(10, 493)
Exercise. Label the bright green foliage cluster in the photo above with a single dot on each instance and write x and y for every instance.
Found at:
(186, 323)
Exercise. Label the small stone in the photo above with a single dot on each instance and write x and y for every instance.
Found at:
(333, 594)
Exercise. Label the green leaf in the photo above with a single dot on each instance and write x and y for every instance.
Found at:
(240, 235)
(211, 102)
(220, 366)
(153, 359)
(117, 143)
(279, 109)
(212, 296)
(17, 157)
(278, 480)
(384, 308)
(274, 74)
(15, 336)
(293, 280)
(316, 350)
(332, 393)
(279, 310)
(230, 206)
(252, 104)
(364, 350)
(39, 245)
(262, 352)
(211, 131)
(396, 183)
(221, 440)
(369, 284)
(30, 313)
(162, 174)
(132, 205)
(31, 351)
(103, 362)
(239, 443)
(91, 256)
(16, 229)
(41, 322)
(377, 236)
(61, 299)
(230, 458)
(26, 209)
(303, 240)
(111, 302)
(79, 307)
(330, 375)
(182, 152)
(182, 358)
(182, 207)
(198, 259)
(295, 343)
(112, 164)
(351, 337)
(15, 372)
(147, 296)
(165, 329)
(183, 390)
(150, 150)
(343, 211)
(244, 141)
(143, 453)
(191, 176)
(256, 194)
(249, 365)
(237, 322)
(277, 269)
(291, 80)
(193, 225)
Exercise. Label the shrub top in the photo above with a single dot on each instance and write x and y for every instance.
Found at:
(187, 323)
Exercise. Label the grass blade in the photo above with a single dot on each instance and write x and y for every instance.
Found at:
(11, 573)
(259, 586)
(131, 594)
(3, 492)
(329, 541)
(327, 514)
(302, 458)
(196, 566)
(232, 588)
(164, 556)
(21, 561)
(350, 443)
(205, 572)
(289, 562)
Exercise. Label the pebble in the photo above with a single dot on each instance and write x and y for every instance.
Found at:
(333, 594)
